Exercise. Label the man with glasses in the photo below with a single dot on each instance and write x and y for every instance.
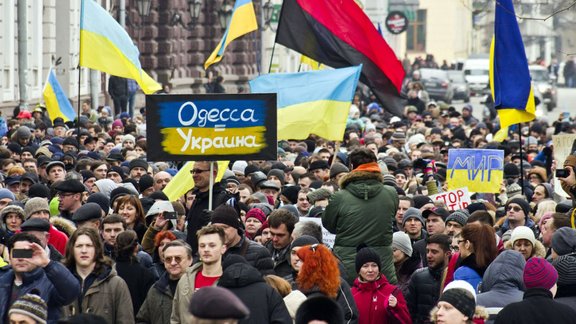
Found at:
(69, 194)
(517, 214)
(157, 307)
(211, 248)
(198, 215)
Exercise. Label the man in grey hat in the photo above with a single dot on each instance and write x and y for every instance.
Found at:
(55, 171)
(40, 228)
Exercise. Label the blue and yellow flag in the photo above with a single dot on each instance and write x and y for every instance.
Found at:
(242, 22)
(510, 80)
(107, 47)
(316, 102)
(183, 181)
(57, 104)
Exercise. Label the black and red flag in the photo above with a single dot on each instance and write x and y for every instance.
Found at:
(339, 34)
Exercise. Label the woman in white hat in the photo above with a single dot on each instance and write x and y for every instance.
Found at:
(524, 241)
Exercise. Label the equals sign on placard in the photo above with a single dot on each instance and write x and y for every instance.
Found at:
(219, 128)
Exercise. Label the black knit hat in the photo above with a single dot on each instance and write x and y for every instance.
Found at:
(461, 299)
(225, 214)
(304, 240)
(291, 193)
(522, 203)
(365, 255)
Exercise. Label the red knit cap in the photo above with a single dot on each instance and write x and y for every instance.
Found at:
(256, 213)
(539, 273)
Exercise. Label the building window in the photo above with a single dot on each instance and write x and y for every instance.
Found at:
(416, 37)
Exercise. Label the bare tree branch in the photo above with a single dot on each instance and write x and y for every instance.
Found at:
(542, 19)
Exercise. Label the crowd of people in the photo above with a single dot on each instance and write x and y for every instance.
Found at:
(89, 236)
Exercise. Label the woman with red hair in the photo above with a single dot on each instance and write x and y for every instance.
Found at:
(320, 275)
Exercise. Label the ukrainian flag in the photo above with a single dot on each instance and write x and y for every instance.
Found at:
(242, 22)
(107, 47)
(510, 80)
(183, 181)
(57, 104)
(316, 102)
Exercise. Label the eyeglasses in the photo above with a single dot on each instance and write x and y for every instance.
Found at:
(197, 171)
(62, 194)
(175, 258)
(516, 208)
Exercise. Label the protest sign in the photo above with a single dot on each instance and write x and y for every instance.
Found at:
(327, 237)
(477, 170)
(211, 127)
(563, 146)
(454, 199)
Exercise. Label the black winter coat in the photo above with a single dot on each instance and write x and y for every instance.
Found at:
(138, 278)
(198, 216)
(264, 303)
(537, 307)
(256, 255)
(423, 293)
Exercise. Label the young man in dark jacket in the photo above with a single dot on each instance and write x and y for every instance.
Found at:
(236, 242)
(538, 305)
(424, 287)
(51, 280)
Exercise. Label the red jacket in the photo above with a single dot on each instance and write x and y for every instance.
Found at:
(372, 302)
(58, 240)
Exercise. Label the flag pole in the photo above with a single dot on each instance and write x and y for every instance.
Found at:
(79, 74)
(210, 191)
(521, 158)
(272, 57)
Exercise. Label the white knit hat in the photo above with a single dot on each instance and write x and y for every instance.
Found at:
(462, 285)
(523, 233)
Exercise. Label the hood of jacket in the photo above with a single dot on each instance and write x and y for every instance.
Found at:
(240, 275)
(362, 285)
(505, 271)
(362, 184)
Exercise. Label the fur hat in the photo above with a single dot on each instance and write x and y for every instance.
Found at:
(12, 209)
(319, 308)
(34, 205)
(318, 194)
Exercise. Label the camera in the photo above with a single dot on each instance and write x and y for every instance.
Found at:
(562, 173)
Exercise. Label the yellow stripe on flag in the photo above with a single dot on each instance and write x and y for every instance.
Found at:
(183, 181)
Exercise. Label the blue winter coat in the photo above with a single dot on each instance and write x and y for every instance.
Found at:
(54, 283)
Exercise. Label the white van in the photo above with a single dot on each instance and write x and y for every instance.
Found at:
(476, 74)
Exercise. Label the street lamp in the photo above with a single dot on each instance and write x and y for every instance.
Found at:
(225, 14)
(267, 12)
(194, 9)
(144, 7)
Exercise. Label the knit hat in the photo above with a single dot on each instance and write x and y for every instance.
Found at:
(30, 305)
(511, 170)
(5, 193)
(256, 213)
(105, 186)
(365, 255)
(401, 241)
(319, 164)
(38, 190)
(278, 174)
(265, 207)
(291, 193)
(225, 214)
(564, 241)
(86, 174)
(513, 190)
(101, 199)
(458, 216)
(461, 299)
(421, 200)
(412, 213)
(12, 209)
(304, 240)
(217, 303)
(34, 205)
(318, 194)
(138, 163)
(23, 132)
(146, 181)
(565, 266)
(475, 207)
(523, 233)
(337, 168)
(128, 137)
(389, 180)
(117, 123)
(117, 193)
(239, 166)
(520, 202)
(539, 273)
(398, 136)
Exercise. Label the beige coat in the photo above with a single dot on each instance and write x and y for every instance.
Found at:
(184, 291)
